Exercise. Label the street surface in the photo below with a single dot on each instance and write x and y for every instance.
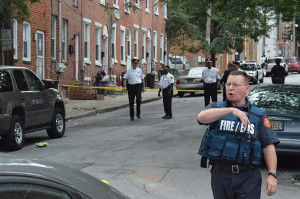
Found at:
(151, 157)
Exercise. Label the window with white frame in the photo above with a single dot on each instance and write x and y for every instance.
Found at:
(26, 41)
(102, 2)
(53, 37)
(165, 10)
(64, 40)
(98, 44)
(156, 7)
(86, 36)
(137, 3)
(126, 6)
(136, 42)
(155, 45)
(113, 42)
(144, 34)
(123, 52)
(128, 43)
(162, 43)
(116, 4)
(147, 6)
(75, 2)
(15, 37)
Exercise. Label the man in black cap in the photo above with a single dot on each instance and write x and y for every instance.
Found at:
(135, 85)
(166, 86)
(211, 77)
(278, 73)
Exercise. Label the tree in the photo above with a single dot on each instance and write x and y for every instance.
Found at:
(9, 10)
(231, 22)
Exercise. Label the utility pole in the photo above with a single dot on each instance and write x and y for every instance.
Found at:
(208, 21)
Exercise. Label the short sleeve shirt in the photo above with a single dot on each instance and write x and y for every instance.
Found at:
(134, 76)
(210, 75)
(266, 133)
(166, 80)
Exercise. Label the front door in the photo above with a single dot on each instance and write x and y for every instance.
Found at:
(40, 51)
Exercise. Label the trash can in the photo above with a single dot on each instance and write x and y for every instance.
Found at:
(150, 80)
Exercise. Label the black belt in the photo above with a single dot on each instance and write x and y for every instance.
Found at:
(134, 84)
(232, 168)
(211, 83)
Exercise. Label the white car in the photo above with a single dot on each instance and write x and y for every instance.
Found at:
(271, 63)
(254, 71)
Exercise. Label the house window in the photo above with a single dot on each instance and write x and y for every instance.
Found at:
(102, 2)
(116, 4)
(137, 3)
(128, 43)
(26, 42)
(165, 10)
(136, 41)
(53, 37)
(162, 48)
(75, 2)
(156, 7)
(98, 44)
(126, 7)
(155, 46)
(64, 41)
(113, 42)
(123, 52)
(147, 6)
(144, 44)
(15, 37)
(86, 36)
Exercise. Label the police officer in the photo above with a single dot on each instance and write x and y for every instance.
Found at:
(231, 67)
(211, 77)
(135, 85)
(278, 73)
(238, 133)
(166, 86)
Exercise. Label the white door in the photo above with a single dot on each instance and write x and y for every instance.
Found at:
(40, 51)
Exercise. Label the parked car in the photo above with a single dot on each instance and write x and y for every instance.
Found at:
(20, 178)
(293, 64)
(282, 105)
(189, 80)
(28, 104)
(254, 71)
(179, 62)
(271, 63)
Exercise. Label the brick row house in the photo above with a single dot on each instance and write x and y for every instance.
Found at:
(72, 40)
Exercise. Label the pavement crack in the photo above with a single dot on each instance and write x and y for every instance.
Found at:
(165, 175)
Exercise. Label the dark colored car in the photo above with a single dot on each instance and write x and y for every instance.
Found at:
(282, 105)
(293, 64)
(28, 104)
(34, 179)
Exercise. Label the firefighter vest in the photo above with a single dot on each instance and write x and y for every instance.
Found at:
(232, 142)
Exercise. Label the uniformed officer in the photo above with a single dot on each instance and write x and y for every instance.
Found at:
(135, 78)
(278, 73)
(234, 66)
(166, 86)
(211, 77)
(238, 134)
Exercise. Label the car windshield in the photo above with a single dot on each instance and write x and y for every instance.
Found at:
(176, 60)
(291, 60)
(279, 98)
(272, 61)
(247, 67)
(185, 72)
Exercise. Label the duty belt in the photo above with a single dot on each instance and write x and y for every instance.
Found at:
(232, 168)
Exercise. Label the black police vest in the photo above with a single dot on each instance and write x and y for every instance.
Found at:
(232, 142)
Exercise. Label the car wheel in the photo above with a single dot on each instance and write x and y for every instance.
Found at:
(192, 93)
(180, 94)
(57, 129)
(14, 140)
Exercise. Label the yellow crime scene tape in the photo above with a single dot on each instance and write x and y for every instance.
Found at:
(121, 88)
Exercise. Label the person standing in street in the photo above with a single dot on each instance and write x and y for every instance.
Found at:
(166, 86)
(211, 77)
(234, 66)
(238, 134)
(136, 84)
(278, 73)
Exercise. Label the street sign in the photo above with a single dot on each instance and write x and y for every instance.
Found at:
(280, 42)
(6, 39)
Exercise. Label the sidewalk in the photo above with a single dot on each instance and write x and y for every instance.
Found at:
(83, 108)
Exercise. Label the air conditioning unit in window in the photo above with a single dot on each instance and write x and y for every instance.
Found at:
(60, 67)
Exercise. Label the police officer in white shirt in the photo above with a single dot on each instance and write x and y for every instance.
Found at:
(211, 77)
(166, 86)
(135, 84)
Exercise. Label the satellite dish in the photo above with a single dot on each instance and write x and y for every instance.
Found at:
(117, 14)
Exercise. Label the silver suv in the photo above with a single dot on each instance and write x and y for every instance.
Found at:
(180, 63)
(28, 104)
(271, 63)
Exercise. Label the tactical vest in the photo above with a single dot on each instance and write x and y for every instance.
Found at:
(232, 142)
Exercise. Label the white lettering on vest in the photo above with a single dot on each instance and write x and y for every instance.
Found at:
(227, 125)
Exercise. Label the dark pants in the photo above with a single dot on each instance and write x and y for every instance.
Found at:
(167, 99)
(210, 91)
(134, 91)
(242, 185)
(224, 93)
(278, 80)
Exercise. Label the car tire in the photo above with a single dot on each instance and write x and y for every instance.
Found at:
(180, 94)
(58, 124)
(14, 140)
(192, 93)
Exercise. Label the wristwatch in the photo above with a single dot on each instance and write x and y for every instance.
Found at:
(275, 175)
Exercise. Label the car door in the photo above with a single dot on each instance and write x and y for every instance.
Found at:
(41, 96)
(259, 71)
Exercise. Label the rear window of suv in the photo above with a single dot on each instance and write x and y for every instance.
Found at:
(272, 61)
(176, 60)
(5, 81)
